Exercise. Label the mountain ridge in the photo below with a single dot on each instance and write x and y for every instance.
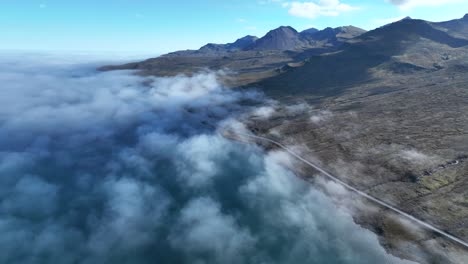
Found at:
(283, 38)
(284, 49)
(239, 44)
(395, 49)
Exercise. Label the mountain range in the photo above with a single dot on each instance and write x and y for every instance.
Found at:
(282, 38)
(283, 54)
(405, 47)
(250, 57)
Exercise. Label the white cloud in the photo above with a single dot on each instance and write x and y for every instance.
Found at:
(99, 167)
(263, 112)
(202, 228)
(321, 117)
(251, 28)
(298, 108)
(416, 156)
(314, 9)
(409, 4)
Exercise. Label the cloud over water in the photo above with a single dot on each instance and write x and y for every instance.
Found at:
(114, 168)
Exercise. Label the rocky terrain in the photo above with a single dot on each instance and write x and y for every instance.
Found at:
(384, 110)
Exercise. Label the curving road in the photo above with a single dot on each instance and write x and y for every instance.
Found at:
(351, 188)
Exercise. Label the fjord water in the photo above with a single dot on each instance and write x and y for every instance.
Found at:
(108, 167)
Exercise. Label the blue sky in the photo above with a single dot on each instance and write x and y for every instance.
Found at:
(156, 26)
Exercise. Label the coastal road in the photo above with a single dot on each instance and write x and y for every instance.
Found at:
(353, 189)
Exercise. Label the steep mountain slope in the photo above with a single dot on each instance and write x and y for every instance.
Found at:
(309, 31)
(406, 46)
(287, 38)
(391, 36)
(238, 45)
(331, 36)
(387, 113)
(456, 27)
(282, 38)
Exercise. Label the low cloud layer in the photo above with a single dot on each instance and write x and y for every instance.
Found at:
(113, 168)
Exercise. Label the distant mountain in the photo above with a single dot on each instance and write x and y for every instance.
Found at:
(282, 38)
(331, 36)
(390, 37)
(405, 47)
(239, 44)
(287, 38)
(309, 31)
(250, 57)
(321, 61)
(456, 27)
(244, 42)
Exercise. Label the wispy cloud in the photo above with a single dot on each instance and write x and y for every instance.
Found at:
(314, 9)
(409, 4)
(251, 28)
(264, 2)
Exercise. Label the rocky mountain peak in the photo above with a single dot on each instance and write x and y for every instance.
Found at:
(310, 31)
(248, 38)
(244, 42)
(283, 30)
(282, 38)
